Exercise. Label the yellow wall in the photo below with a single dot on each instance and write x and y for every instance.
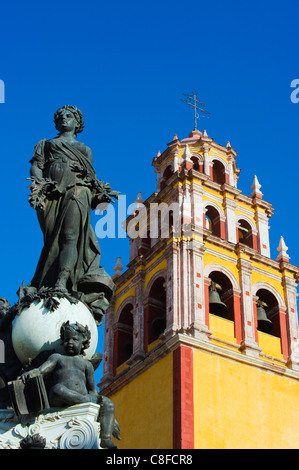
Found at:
(144, 409)
(240, 406)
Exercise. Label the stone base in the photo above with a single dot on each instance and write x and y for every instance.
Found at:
(75, 427)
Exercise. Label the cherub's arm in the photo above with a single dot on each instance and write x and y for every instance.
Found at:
(46, 368)
(50, 364)
(90, 383)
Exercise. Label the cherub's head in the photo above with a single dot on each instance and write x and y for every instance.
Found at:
(75, 338)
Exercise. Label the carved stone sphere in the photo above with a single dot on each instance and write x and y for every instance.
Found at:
(37, 328)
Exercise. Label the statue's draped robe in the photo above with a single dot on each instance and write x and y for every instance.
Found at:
(68, 164)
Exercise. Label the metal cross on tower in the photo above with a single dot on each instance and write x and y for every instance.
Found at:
(196, 104)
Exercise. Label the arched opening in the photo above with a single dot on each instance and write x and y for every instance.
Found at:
(168, 172)
(221, 301)
(245, 234)
(197, 164)
(155, 312)
(218, 172)
(268, 313)
(212, 220)
(123, 340)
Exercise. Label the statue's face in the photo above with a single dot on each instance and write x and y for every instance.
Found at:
(72, 342)
(66, 121)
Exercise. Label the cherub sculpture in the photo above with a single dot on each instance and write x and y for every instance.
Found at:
(73, 379)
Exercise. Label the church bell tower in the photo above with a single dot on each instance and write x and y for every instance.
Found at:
(201, 338)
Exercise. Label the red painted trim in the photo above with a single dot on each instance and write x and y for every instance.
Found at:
(284, 335)
(207, 304)
(222, 230)
(254, 242)
(255, 321)
(226, 175)
(238, 318)
(183, 399)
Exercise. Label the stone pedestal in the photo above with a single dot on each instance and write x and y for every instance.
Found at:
(75, 427)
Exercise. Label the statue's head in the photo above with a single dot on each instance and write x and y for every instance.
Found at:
(4, 306)
(75, 337)
(61, 112)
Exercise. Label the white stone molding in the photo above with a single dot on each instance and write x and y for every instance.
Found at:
(239, 217)
(219, 209)
(219, 158)
(265, 285)
(209, 268)
(74, 427)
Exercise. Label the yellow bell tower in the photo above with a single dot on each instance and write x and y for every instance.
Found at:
(201, 339)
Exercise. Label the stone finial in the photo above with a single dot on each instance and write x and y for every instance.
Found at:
(256, 188)
(187, 153)
(139, 202)
(158, 154)
(228, 145)
(205, 133)
(117, 268)
(175, 137)
(282, 249)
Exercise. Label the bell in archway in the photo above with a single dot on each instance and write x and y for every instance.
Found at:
(264, 324)
(217, 307)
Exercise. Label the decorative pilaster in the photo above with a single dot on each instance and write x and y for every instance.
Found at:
(198, 326)
(198, 216)
(230, 207)
(231, 178)
(263, 233)
(108, 345)
(138, 321)
(206, 149)
(248, 344)
(172, 291)
(289, 285)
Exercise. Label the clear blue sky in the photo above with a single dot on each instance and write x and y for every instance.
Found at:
(126, 66)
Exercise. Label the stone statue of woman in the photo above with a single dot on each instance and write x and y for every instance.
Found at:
(64, 189)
